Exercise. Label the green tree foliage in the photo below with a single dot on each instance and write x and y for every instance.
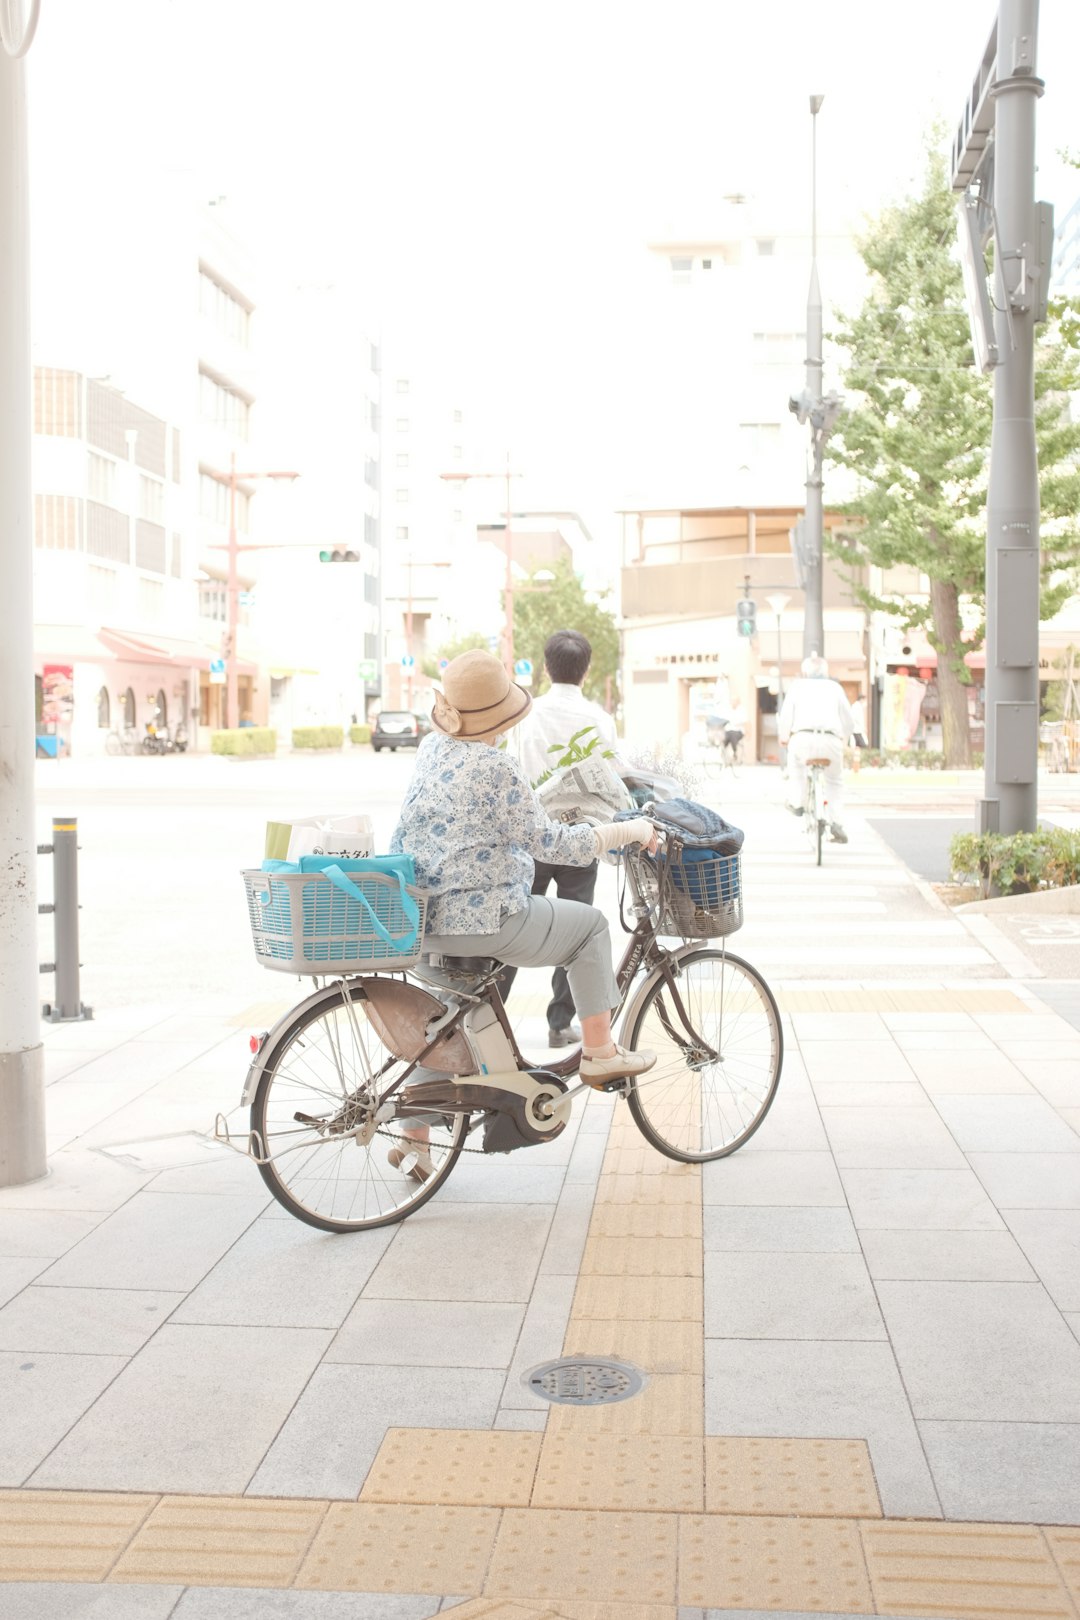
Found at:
(561, 604)
(466, 643)
(916, 435)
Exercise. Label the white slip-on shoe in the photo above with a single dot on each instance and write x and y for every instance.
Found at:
(421, 1167)
(597, 1071)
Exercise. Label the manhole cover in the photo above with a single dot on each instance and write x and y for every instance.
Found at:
(584, 1381)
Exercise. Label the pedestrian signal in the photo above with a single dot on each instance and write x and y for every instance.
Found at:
(746, 617)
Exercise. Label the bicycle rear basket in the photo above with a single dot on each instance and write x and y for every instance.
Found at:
(699, 893)
(301, 923)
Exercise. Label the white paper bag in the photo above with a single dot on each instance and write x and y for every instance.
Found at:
(350, 836)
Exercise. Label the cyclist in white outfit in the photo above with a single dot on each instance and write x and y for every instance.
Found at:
(815, 723)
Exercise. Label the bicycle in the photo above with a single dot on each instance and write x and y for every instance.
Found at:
(720, 755)
(126, 743)
(816, 803)
(334, 1086)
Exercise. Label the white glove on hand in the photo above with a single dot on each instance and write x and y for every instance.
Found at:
(617, 834)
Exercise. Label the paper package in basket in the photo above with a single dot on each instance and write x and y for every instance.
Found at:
(590, 790)
(349, 836)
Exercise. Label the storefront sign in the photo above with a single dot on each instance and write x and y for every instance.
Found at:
(57, 693)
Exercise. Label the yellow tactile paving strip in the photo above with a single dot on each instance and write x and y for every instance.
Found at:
(226, 1541)
(459, 1467)
(371, 1547)
(66, 1535)
(651, 1473)
(559, 1609)
(743, 1563)
(973, 1570)
(829, 1479)
(1065, 1546)
(643, 1257)
(626, 1557)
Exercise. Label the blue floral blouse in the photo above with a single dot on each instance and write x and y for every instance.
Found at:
(474, 827)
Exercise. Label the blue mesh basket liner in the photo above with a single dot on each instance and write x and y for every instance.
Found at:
(708, 878)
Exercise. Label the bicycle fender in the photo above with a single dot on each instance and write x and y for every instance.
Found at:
(634, 1004)
(269, 1041)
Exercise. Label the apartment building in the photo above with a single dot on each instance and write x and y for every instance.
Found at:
(116, 638)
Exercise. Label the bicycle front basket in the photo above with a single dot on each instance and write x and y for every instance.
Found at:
(700, 893)
(302, 923)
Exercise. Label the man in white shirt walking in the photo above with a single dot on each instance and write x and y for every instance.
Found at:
(555, 718)
(815, 723)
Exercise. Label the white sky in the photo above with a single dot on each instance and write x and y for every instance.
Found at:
(487, 171)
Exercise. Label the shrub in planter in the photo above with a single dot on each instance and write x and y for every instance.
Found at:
(359, 734)
(317, 737)
(1017, 863)
(244, 742)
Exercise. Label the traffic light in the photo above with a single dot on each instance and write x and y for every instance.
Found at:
(746, 617)
(340, 555)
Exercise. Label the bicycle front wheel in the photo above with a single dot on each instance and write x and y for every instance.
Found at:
(323, 1159)
(719, 1052)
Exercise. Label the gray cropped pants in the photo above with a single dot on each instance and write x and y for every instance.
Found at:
(549, 933)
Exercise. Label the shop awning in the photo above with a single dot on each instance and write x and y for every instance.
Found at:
(68, 644)
(181, 654)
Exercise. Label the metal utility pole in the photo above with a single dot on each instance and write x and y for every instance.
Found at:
(821, 411)
(22, 1078)
(995, 150)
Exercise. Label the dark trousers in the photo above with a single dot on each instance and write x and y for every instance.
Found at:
(571, 883)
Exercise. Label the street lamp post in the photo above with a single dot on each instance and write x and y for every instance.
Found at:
(821, 411)
(232, 716)
(777, 604)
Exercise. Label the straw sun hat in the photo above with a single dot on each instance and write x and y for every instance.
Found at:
(478, 699)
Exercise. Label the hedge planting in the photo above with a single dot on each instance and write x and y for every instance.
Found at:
(244, 742)
(1017, 863)
(318, 737)
(359, 734)
(908, 759)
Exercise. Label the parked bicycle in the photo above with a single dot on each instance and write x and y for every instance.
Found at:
(122, 742)
(390, 1043)
(160, 740)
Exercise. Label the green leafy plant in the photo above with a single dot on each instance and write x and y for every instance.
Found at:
(317, 737)
(1017, 863)
(574, 751)
(359, 734)
(244, 742)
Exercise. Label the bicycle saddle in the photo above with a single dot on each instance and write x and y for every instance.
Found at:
(461, 967)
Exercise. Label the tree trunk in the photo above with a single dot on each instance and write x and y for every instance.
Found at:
(952, 692)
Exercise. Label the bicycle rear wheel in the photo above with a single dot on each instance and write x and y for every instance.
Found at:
(713, 1083)
(326, 1162)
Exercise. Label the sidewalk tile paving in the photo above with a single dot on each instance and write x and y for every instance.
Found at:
(861, 1335)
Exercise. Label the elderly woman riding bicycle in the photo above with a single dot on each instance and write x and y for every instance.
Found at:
(474, 828)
